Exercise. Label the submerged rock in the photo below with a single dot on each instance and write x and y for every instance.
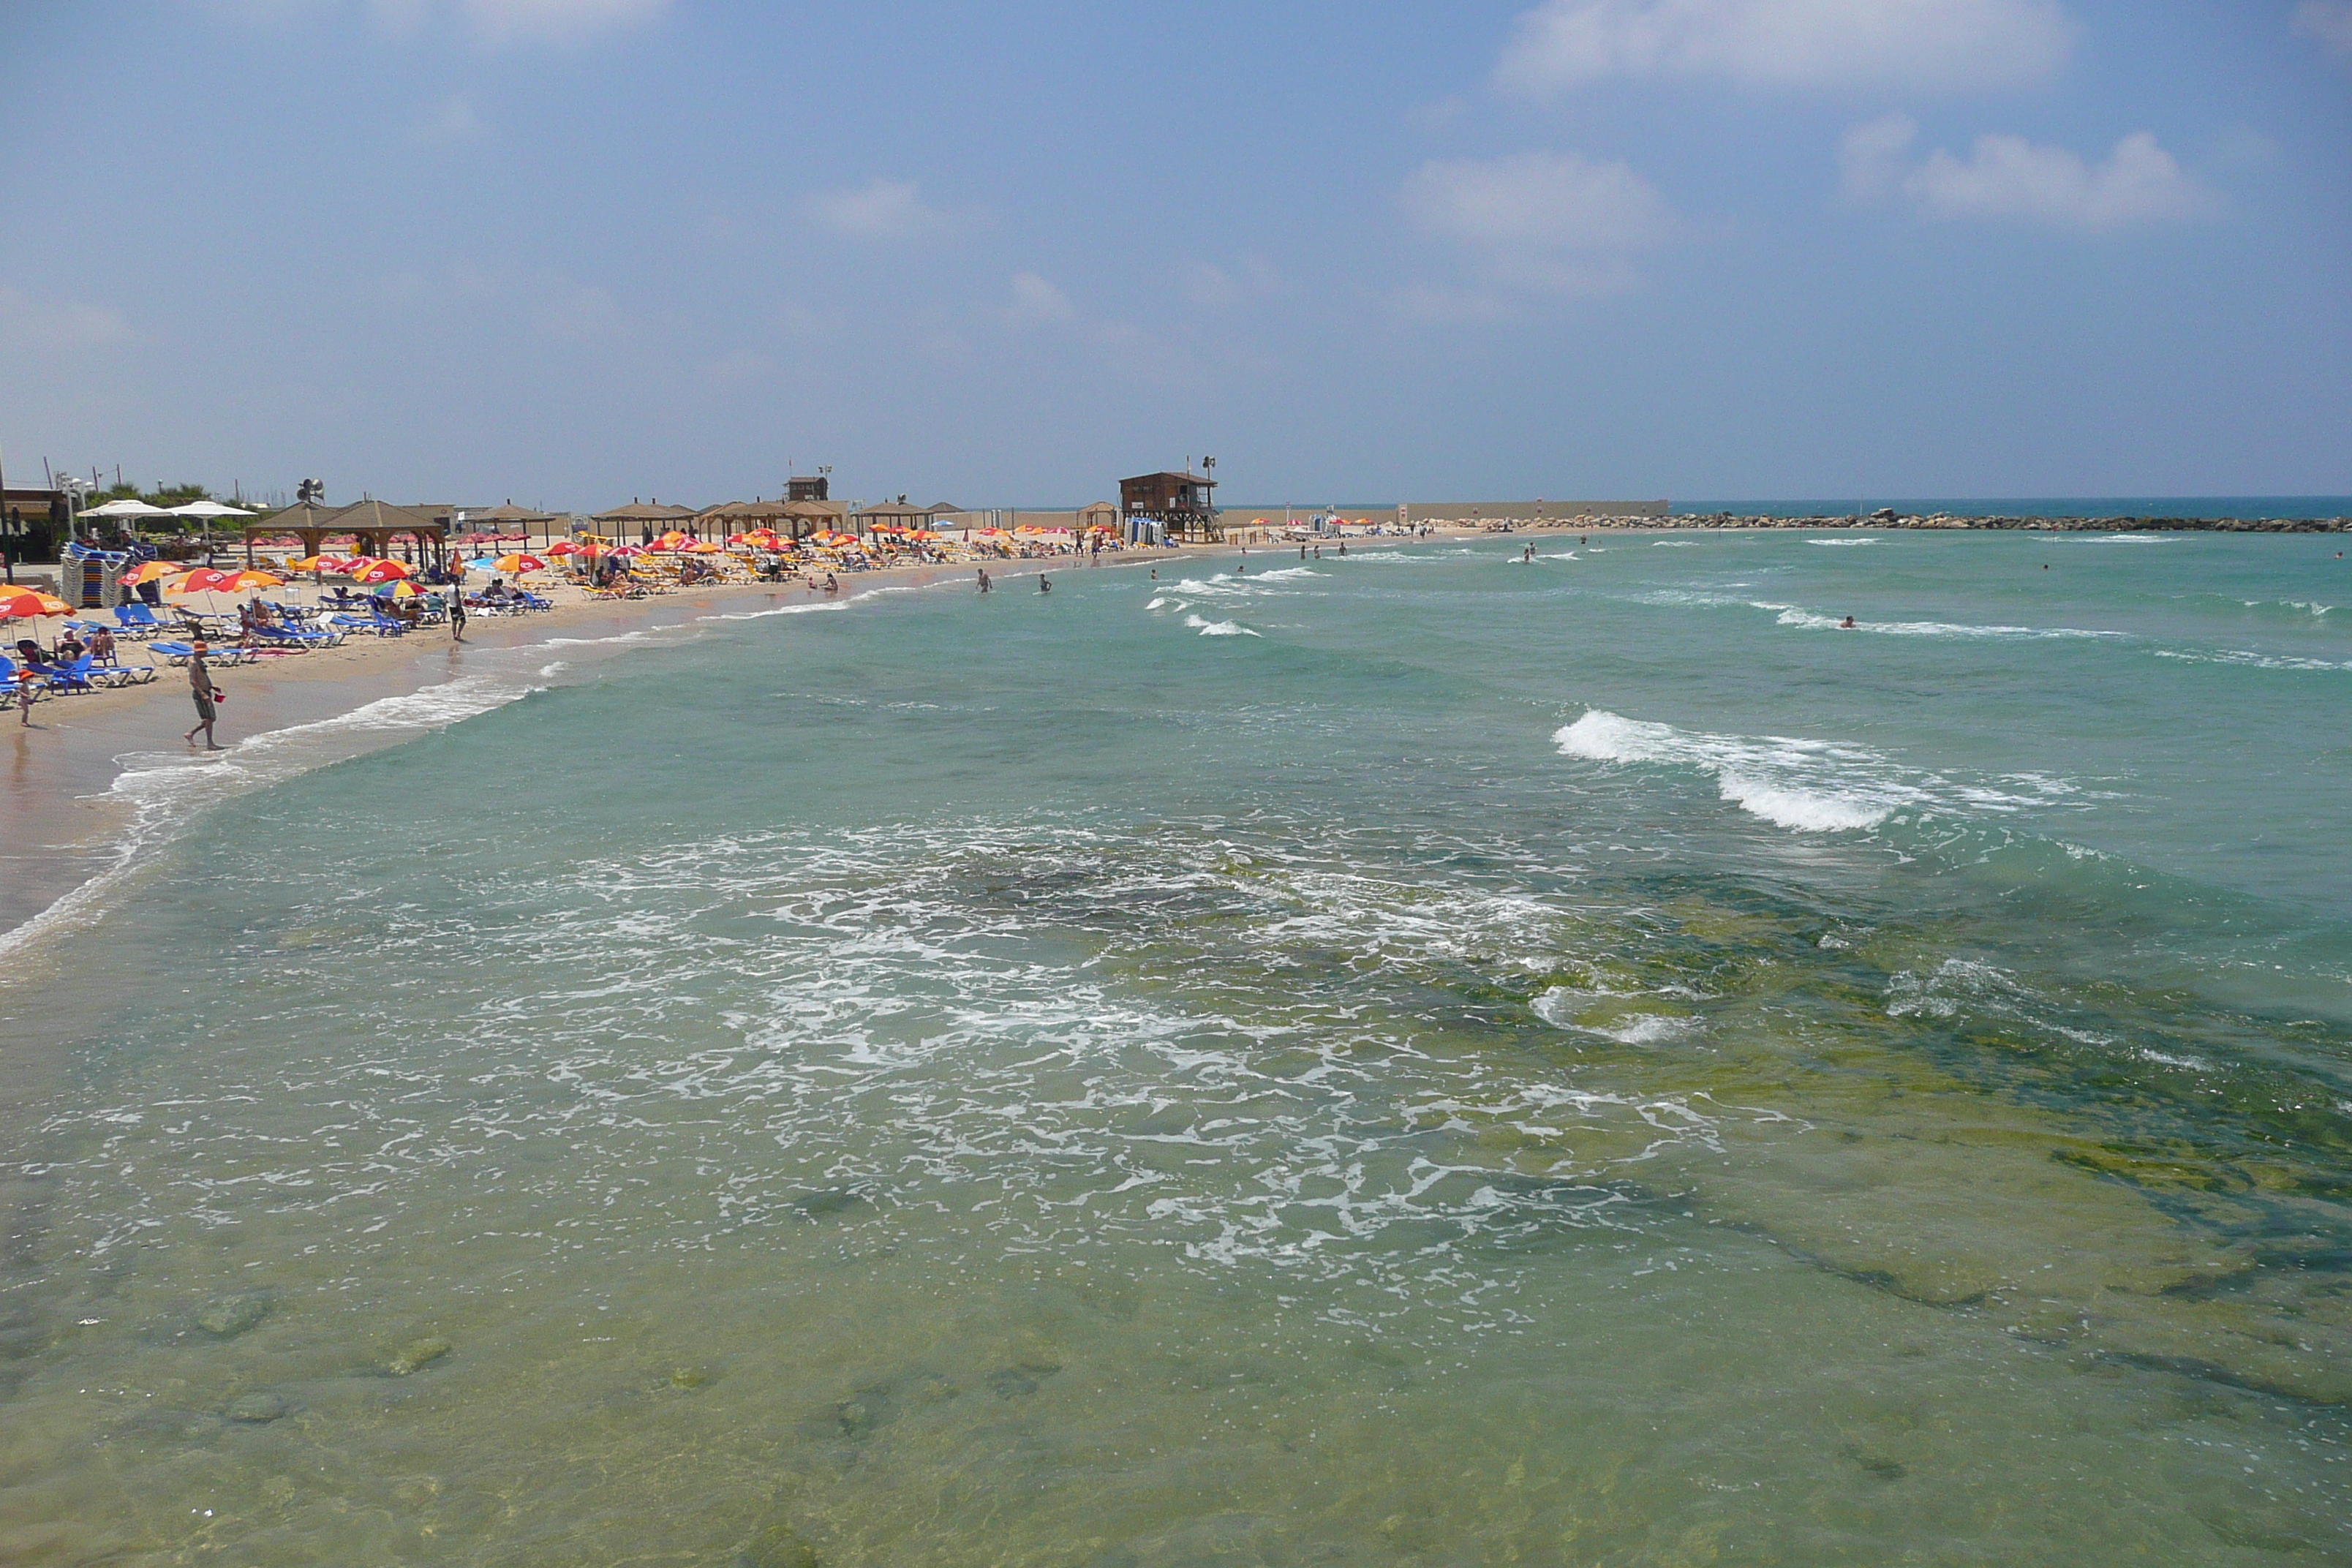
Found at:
(259, 1409)
(830, 1201)
(1021, 1378)
(225, 1317)
(776, 1546)
(688, 1377)
(417, 1354)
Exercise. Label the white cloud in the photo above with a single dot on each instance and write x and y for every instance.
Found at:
(1037, 303)
(881, 209)
(556, 21)
(2329, 21)
(1545, 222)
(2010, 177)
(1870, 159)
(491, 21)
(451, 119)
(1215, 288)
(59, 324)
(1920, 44)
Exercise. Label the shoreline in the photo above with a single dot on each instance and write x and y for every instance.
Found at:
(72, 825)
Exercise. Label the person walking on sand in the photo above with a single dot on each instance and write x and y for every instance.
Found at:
(207, 696)
(457, 615)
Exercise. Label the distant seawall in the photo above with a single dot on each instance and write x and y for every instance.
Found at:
(2028, 524)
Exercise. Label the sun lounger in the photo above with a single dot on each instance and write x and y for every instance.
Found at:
(74, 676)
(180, 653)
(287, 636)
(139, 621)
(121, 674)
(378, 624)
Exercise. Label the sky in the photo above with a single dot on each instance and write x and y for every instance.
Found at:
(574, 252)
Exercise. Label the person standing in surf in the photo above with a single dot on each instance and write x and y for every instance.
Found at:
(457, 614)
(207, 696)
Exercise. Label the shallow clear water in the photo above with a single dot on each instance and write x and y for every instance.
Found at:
(1421, 1058)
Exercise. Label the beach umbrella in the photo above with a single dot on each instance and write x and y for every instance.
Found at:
(519, 563)
(402, 589)
(380, 572)
(239, 580)
(26, 604)
(202, 580)
(564, 547)
(626, 550)
(483, 562)
(126, 509)
(147, 572)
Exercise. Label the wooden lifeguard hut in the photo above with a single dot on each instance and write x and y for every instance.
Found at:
(1182, 503)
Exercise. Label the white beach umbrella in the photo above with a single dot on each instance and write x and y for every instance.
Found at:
(126, 507)
(205, 509)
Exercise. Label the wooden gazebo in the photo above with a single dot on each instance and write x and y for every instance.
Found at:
(372, 525)
(890, 514)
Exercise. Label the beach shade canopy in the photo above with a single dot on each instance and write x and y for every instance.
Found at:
(147, 572)
(207, 509)
(483, 564)
(253, 579)
(627, 549)
(402, 589)
(564, 547)
(25, 603)
(126, 507)
(380, 572)
(202, 580)
(519, 563)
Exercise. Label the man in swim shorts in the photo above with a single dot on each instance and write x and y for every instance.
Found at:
(207, 696)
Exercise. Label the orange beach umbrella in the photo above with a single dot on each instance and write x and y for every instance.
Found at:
(25, 603)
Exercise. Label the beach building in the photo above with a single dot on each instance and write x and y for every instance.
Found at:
(644, 519)
(812, 487)
(421, 532)
(1181, 502)
(1096, 514)
(32, 523)
(889, 514)
(479, 526)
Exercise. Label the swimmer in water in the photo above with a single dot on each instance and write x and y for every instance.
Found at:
(1847, 624)
(1043, 585)
(983, 579)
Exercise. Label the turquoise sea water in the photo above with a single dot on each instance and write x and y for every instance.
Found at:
(1423, 1058)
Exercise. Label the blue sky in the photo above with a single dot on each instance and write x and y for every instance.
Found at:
(573, 251)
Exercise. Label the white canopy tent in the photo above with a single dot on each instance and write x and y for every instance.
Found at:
(207, 510)
(126, 507)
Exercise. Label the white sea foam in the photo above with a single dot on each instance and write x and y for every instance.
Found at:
(1809, 621)
(1160, 603)
(1835, 542)
(783, 610)
(1219, 628)
(1563, 1006)
(1807, 785)
(2251, 660)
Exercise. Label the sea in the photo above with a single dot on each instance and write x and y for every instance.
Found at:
(1432, 1057)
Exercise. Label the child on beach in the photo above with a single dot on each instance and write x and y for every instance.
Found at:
(25, 691)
